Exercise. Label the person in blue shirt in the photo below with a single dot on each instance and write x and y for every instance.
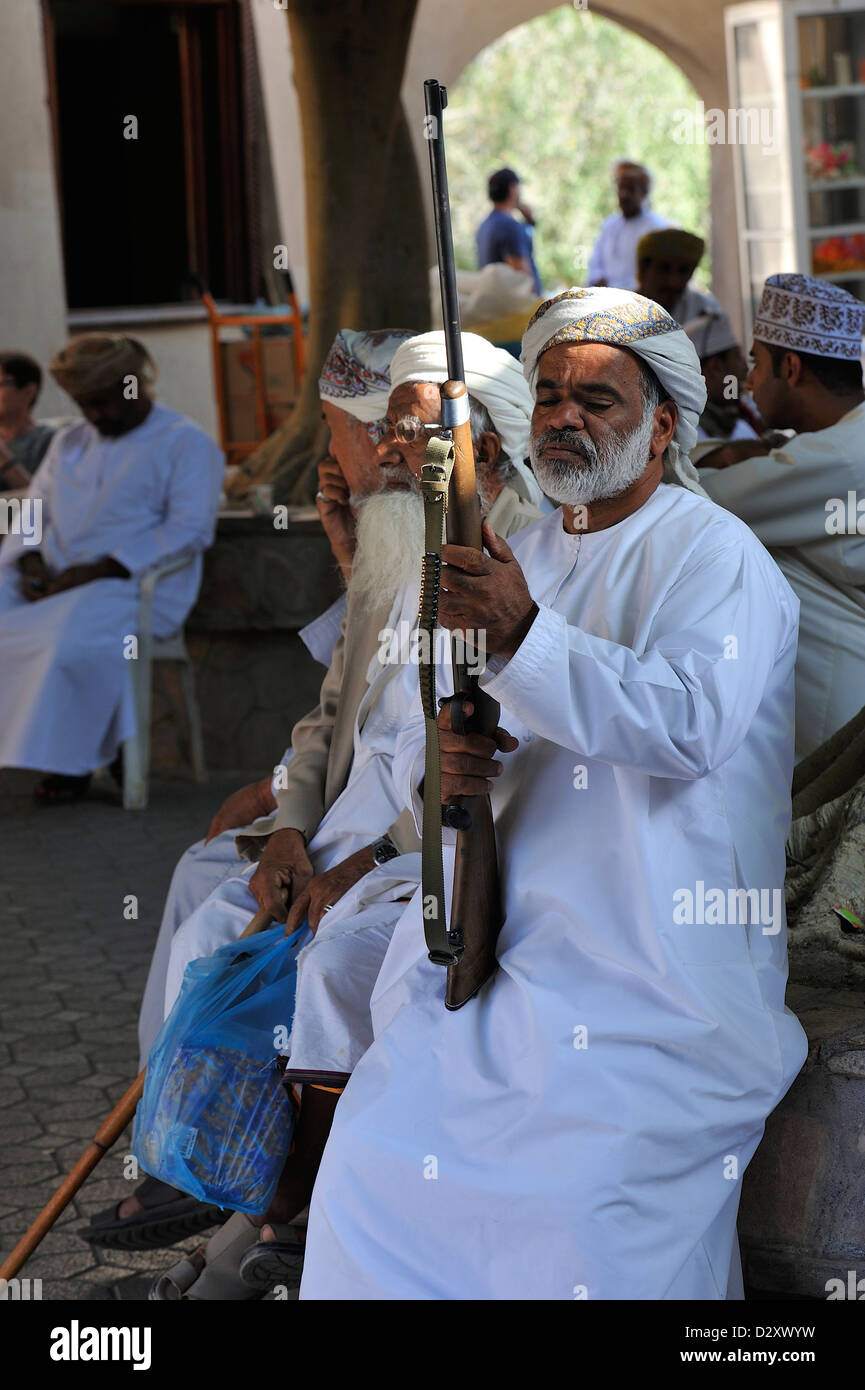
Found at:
(501, 237)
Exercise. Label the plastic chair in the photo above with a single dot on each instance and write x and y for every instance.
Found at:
(136, 750)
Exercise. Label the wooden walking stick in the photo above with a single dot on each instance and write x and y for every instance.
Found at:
(106, 1135)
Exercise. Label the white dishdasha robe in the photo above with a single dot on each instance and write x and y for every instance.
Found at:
(152, 494)
(796, 500)
(366, 808)
(206, 864)
(580, 1129)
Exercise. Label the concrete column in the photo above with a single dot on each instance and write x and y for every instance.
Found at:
(32, 289)
(286, 142)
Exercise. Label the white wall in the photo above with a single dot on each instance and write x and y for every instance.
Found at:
(32, 292)
(286, 146)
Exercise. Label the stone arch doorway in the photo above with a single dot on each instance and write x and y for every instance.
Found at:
(448, 34)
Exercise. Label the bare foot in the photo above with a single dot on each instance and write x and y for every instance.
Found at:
(129, 1207)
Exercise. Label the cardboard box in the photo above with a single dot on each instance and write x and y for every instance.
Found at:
(280, 386)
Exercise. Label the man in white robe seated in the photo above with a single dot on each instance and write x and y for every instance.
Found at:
(345, 734)
(131, 486)
(806, 499)
(580, 1128)
(354, 387)
(337, 970)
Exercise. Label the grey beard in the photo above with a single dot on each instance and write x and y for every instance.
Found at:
(610, 467)
(390, 542)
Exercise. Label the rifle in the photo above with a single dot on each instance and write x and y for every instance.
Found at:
(449, 486)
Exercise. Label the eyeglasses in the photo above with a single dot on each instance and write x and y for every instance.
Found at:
(409, 429)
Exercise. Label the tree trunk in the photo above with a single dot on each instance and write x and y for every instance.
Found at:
(365, 228)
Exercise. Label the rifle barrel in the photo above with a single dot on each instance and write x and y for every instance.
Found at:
(435, 98)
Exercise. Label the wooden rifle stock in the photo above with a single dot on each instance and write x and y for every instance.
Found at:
(476, 908)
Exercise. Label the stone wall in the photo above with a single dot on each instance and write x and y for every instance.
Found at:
(254, 677)
(802, 1216)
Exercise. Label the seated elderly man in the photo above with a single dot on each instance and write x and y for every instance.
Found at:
(132, 485)
(354, 386)
(666, 260)
(336, 818)
(804, 499)
(23, 441)
(580, 1127)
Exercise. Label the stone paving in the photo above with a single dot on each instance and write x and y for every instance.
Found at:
(72, 970)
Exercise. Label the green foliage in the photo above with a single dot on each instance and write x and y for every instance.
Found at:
(558, 99)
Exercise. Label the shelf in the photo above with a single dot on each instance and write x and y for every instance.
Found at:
(839, 229)
(840, 274)
(855, 89)
(830, 185)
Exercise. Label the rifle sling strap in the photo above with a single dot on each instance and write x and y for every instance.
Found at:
(435, 477)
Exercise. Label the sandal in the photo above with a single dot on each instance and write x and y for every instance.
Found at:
(211, 1274)
(60, 790)
(278, 1261)
(173, 1284)
(169, 1216)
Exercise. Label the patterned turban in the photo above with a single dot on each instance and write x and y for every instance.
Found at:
(97, 361)
(673, 242)
(627, 320)
(808, 315)
(356, 373)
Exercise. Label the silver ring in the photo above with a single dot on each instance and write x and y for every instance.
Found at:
(323, 495)
(328, 907)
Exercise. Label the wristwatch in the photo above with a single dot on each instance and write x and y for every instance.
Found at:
(384, 850)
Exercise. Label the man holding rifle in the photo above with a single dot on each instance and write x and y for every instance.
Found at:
(581, 1127)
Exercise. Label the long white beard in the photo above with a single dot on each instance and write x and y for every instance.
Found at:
(390, 542)
(610, 467)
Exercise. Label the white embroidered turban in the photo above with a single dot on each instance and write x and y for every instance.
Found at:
(808, 315)
(356, 373)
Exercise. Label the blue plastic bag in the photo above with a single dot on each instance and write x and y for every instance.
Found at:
(214, 1119)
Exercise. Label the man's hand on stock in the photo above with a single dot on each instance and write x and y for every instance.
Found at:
(337, 517)
(326, 889)
(486, 593)
(283, 872)
(468, 762)
(242, 808)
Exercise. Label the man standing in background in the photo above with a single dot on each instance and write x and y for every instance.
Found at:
(614, 258)
(501, 238)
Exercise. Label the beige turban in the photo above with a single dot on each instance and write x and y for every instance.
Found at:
(97, 361)
(627, 320)
(672, 242)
